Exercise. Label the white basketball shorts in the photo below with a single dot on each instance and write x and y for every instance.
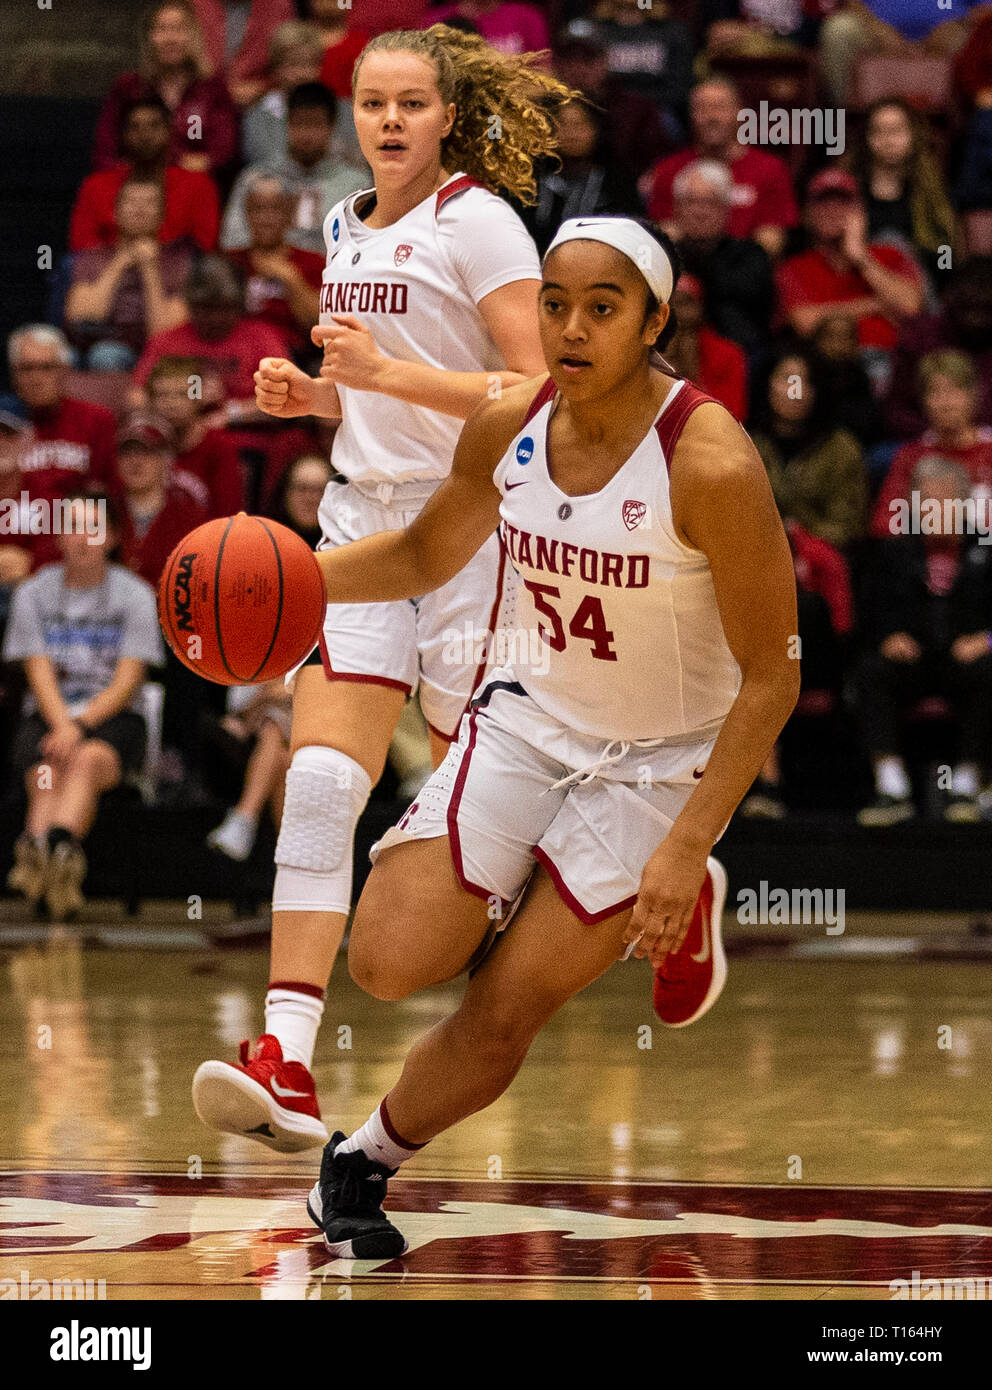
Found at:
(495, 797)
(437, 643)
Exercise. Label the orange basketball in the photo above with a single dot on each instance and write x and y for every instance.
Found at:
(241, 600)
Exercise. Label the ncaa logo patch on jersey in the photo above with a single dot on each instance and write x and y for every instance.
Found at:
(336, 229)
(633, 514)
(525, 451)
(402, 254)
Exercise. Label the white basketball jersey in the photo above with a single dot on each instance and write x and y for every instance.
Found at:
(416, 286)
(631, 643)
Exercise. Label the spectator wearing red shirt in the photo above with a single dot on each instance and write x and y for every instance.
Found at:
(282, 282)
(948, 389)
(219, 333)
(764, 207)
(121, 295)
(715, 364)
(237, 44)
(206, 460)
(156, 512)
(15, 547)
(174, 67)
(876, 285)
(192, 207)
(343, 40)
(70, 443)
(964, 322)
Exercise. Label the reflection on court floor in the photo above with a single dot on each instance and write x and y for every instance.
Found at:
(250, 1236)
(819, 1135)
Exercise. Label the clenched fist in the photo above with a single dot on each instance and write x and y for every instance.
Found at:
(282, 389)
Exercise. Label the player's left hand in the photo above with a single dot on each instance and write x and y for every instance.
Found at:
(351, 357)
(666, 899)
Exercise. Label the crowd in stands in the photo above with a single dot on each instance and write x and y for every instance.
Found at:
(837, 300)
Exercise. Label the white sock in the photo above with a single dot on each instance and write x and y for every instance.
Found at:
(964, 780)
(235, 836)
(891, 778)
(293, 1018)
(379, 1143)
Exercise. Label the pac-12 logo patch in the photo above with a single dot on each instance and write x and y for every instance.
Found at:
(633, 514)
(336, 228)
(525, 450)
(402, 254)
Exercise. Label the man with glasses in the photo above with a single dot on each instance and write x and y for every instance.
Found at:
(70, 444)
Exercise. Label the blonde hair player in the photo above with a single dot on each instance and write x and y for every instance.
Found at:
(587, 786)
(428, 305)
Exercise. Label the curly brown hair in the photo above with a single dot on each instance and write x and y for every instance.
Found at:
(505, 104)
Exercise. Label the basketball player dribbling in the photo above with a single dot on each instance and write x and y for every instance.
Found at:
(590, 786)
(429, 302)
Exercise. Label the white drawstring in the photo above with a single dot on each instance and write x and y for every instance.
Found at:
(606, 759)
(384, 493)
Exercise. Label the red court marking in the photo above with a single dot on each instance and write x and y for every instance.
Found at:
(681, 1232)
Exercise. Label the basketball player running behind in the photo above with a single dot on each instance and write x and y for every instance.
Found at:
(429, 302)
(639, 519)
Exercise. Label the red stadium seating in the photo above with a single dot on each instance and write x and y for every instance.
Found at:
(100, 388)
(924, 81)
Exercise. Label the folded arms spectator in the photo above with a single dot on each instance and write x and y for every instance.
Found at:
(122, 295)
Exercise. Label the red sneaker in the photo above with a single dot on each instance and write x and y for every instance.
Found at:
(264, 1098)
(689, 980)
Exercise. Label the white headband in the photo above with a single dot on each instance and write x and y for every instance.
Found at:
(631, 240)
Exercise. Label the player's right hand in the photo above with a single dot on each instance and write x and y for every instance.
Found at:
(282, 389)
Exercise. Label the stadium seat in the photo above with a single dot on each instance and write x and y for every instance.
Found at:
(923, 80)
(100, 388)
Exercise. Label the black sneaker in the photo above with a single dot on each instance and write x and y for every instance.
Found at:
(346, 1203)
(887, 810)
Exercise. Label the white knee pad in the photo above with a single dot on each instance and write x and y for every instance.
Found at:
(326, 792)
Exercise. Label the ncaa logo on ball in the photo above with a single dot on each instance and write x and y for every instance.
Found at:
(633, 514)
(402, 254)
(525, 451)
(336, 228)
(181, 599)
